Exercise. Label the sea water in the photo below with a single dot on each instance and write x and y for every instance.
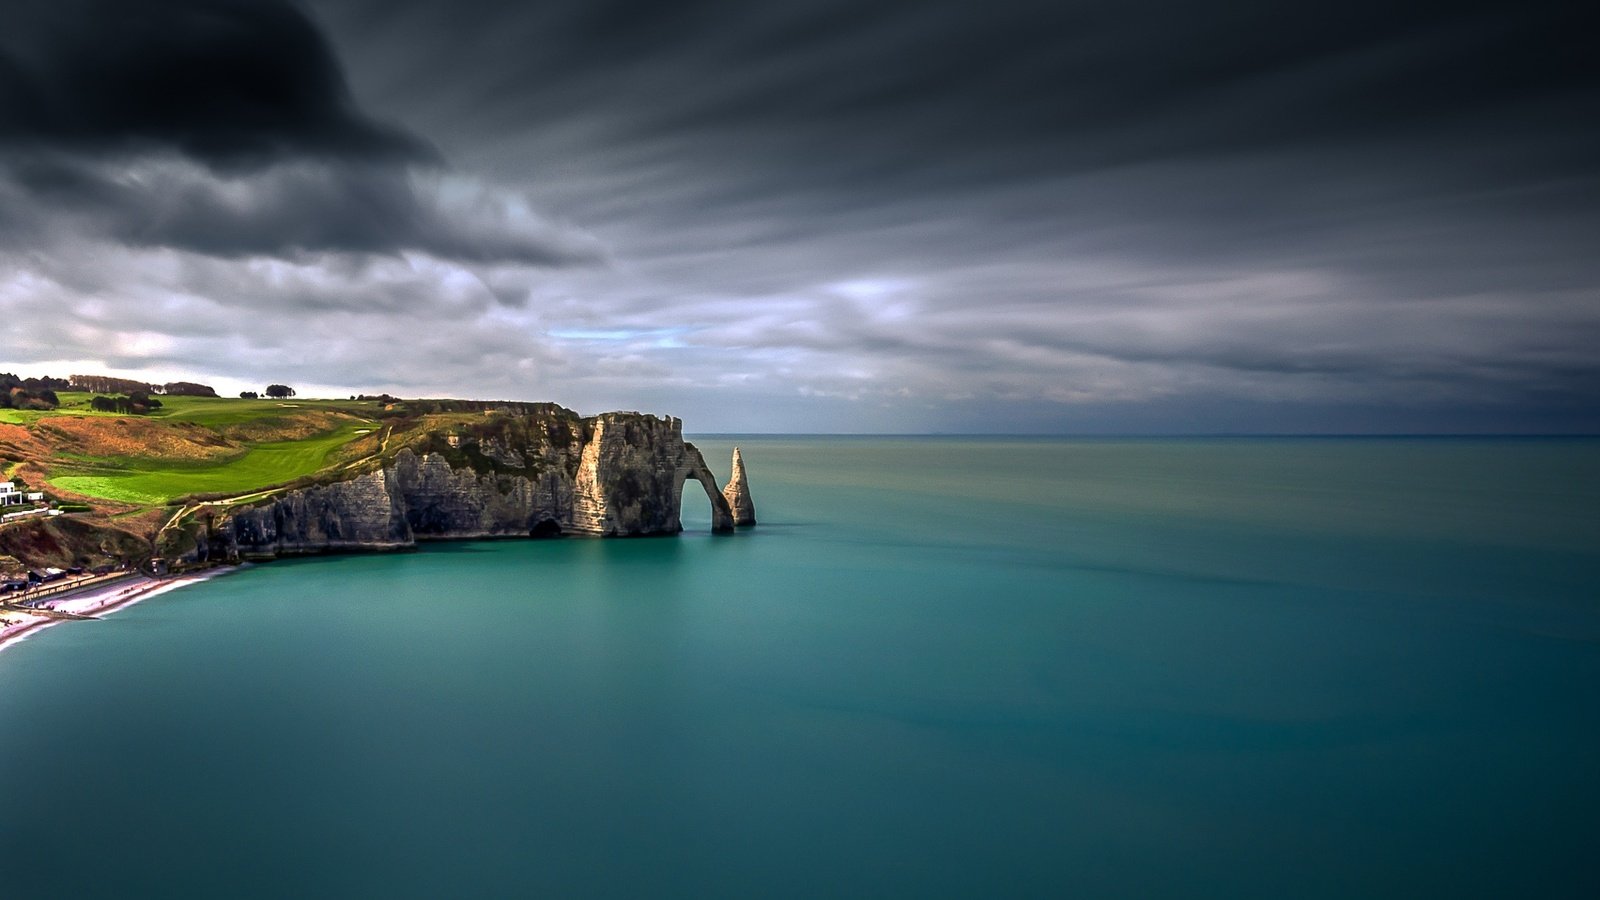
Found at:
(938, 667)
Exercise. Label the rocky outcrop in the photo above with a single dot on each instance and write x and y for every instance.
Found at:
(361, 513)
(631, 474)
(531, 472)
(737, 493)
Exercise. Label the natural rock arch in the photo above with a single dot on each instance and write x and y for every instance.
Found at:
(630, 477)
(694, 466)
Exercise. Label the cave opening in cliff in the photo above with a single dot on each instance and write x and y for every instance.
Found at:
(546, 528)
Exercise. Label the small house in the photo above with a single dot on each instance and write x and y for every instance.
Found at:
(10, 496)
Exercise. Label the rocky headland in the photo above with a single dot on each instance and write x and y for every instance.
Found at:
(102, 506)
(529, 470)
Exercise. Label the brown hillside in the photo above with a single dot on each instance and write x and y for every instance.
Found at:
(101, 436)
(18, 443)
(67, 541)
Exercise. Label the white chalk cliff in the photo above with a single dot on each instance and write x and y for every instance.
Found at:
(531, 471)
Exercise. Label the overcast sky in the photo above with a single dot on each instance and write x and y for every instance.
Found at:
(863, 215)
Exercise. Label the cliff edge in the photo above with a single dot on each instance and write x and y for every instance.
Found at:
(535, 470)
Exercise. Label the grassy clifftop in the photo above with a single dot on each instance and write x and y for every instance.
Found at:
(147, 475)
(191, 445)
(126, 476)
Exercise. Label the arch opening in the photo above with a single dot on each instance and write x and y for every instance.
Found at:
(714, 516)
(694, 512)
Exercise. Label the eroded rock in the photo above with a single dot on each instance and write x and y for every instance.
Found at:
(737, 493)
(532, 473)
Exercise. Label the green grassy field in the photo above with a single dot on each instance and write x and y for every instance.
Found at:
(215, 412)
(22, 416)
(73, 403)
(155, 481)
(152, 482)
(211, 411)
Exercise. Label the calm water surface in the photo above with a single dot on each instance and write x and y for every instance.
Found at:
(940, 667)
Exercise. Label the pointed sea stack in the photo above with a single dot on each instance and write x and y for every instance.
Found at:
(738, 494)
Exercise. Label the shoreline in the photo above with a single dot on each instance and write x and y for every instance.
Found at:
(97, 601)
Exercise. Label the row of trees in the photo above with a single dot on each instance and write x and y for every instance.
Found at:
(276, 391)
(40, 393)
(137, 403)
(46, 383)
(107, 384)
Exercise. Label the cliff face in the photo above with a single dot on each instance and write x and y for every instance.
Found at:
(532, 473)
(359, 513)
(631, 474)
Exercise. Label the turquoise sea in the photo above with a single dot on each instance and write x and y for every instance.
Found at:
(940, 667)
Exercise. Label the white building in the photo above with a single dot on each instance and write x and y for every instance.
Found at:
(10, 496)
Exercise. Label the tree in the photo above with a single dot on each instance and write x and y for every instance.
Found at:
(29, 393)
(248, 395)
(279, 391)
(188, 389)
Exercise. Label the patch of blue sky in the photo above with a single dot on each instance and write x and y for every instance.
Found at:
(654, 337)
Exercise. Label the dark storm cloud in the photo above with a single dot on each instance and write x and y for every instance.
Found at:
(226, 127)
(856, 215)
(1042, 84)
(1218, 130)
(1361, 203)
(229, 82)
(293, 208)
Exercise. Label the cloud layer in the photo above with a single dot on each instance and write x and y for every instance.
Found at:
(838, 216)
